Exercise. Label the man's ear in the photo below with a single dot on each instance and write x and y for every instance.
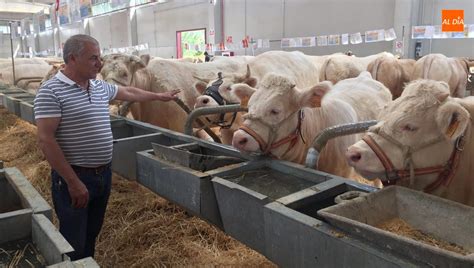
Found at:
(312, 97)
(243, 91)
(452, 119)
(200, 86)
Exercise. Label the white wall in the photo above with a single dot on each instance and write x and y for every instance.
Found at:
(112, 30)
(274, 20)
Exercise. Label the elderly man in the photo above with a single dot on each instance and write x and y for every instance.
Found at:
(72, 116)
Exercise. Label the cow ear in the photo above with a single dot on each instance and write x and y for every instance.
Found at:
(145, 59)
(200, 86)
(452, 119)
(312, 97)
(243, 91)
(136, 63)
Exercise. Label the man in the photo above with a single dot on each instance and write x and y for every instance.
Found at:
(72, 116)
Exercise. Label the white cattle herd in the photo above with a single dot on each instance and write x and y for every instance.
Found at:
(422, 139)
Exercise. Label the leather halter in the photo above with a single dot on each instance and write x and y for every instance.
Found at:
(292, 138)
(213, 92)
(446, 172)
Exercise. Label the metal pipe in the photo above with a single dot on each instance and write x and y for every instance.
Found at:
(11, 50)
(324, 136)
(206, 129)
(188, 127)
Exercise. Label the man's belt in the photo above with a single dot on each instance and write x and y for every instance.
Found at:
(91, 170)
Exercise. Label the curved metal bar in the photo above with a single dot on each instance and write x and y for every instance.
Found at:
(324, 136)
(207, 129)
(34, 78)
(188, 128)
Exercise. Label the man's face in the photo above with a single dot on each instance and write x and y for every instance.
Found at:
(88, 63)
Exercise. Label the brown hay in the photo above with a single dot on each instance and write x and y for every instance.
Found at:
(140, 228)
(400, 227)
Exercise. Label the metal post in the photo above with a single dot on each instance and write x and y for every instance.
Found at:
(11, 49)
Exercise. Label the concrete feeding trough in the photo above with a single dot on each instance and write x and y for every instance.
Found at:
(27, 112)
(8, 91)
(12, 102)
(297, 237)
(24, 225)
(243, 191)
(448, 222)
(38, 245)
(82, 263)
(182, 174)
(131, 136)
(17, 193)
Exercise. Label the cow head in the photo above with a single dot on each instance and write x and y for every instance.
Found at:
(274, 113)
(119, 69)
(419, 130)
(217, 91)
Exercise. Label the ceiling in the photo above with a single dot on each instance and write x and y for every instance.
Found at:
(19, 9)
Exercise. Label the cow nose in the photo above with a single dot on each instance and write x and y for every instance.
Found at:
(239, 141)
(353, 156)
(205, 101)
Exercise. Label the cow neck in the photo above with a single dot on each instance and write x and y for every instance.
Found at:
(267, 147)
(445, 172)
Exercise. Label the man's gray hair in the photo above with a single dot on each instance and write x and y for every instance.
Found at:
(75, 44)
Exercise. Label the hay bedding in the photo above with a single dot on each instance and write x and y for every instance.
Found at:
(400, 227)
(140, 228)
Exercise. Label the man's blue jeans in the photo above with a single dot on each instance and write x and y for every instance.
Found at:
(81, 227)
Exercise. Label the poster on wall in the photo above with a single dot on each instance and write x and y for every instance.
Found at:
(356, 38)
(334, 40)
(390, 34)
(439, 34)
(85, 8)
(53, 16)
(374, 36)
(322, 40)
(117, 4)
(422, 32)
(42, 21)
(74, 10)
(470, 30)
(63, 12)
(285, 42)
(309, 41)
(345, 39)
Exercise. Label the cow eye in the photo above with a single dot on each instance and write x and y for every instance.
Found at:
(274, 112)
(409, 128)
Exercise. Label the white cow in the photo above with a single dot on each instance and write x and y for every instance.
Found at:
(283, 120)
(453, 71)
(423, 141)
(294, 65)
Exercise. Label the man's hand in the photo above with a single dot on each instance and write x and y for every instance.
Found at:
(169, 95)
(79, 194)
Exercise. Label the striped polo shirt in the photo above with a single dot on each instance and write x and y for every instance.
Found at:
(84, 133)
